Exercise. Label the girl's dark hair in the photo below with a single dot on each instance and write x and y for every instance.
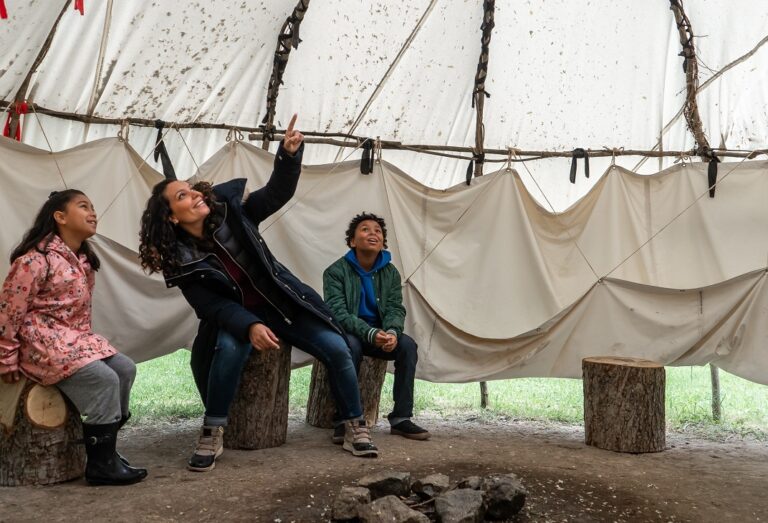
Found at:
(159, 238)
(45, 226)
(357, 220)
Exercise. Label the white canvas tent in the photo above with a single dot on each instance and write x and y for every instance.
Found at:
(519, 274)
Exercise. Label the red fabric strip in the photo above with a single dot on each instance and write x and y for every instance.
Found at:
(7, 128)
(19, 108)
(3, 10)
(80, 6)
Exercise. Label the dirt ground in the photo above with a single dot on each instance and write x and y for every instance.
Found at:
(693, 480)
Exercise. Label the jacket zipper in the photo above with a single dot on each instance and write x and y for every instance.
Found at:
(285, 318)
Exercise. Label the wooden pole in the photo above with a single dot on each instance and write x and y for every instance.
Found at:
(479, 94)
(286, 40)
(447, 151)
(691, 70)
(21, 94)
(714, 373)
(353, 141)
(483, 394)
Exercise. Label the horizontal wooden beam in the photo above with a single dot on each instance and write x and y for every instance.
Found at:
(348, 140)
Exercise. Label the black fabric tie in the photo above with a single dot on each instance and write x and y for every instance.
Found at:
(162, 153)
(579, 153)
(712, 173)
(479, 158)
(366, 162)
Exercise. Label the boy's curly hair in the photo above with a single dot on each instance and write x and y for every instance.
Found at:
(357, 220)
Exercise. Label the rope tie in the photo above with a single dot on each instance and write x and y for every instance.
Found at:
(377, 149)
(53, 155)
(684, 159)
(234, 134)
(614, 151)
(197, 167)
(125, 129)
(512, 154)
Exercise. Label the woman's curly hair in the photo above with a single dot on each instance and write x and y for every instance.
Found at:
(357, 220)
(159, 238)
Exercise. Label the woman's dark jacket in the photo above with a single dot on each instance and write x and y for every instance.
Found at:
(215, 297)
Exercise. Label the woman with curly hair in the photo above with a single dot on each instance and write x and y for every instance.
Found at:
(45, 330)
(205, 241)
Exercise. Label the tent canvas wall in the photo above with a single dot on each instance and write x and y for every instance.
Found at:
(519, 274)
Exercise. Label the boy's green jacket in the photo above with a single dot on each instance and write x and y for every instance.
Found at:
(341, 291)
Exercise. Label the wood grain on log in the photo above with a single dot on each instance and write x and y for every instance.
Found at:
(624, 404)
(45, 407)
(31, 455)
(258, 416)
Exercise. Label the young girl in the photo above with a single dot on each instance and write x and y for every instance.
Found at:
(205, 241)
(45, 330)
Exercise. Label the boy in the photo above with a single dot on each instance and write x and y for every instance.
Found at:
(362, 288)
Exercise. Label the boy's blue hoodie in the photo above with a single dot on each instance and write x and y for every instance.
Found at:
(368, 311)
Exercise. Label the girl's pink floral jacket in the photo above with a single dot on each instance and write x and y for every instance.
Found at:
(45, 315)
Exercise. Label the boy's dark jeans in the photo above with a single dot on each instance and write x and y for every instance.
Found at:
(405, 358)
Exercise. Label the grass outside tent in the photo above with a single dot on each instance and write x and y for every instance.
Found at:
(164, 390)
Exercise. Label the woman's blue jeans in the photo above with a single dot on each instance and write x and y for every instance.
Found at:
(306, 332)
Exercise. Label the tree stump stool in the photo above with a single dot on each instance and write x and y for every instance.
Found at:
(258, 416)
(320, 405)
(624, 404)
(40, 440)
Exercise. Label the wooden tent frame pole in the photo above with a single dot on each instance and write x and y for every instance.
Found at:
(286, 40)
(479, 94)
(691, 69)
(348, 140)
(21, 94)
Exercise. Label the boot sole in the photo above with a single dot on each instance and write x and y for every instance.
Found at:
(421, 436)
(360, 453)
(106, 482)
(211, 467)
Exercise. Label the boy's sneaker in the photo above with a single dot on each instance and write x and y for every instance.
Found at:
(338, 434)
(410, 430)
(210, 445)
(357, 439)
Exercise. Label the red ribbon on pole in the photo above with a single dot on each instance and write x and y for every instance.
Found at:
(3, 10)
(19, 109)
(79, 6)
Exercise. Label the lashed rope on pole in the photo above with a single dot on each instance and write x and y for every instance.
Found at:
(479, 94)
(287, 39)
(691, 70)
(691, 108)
